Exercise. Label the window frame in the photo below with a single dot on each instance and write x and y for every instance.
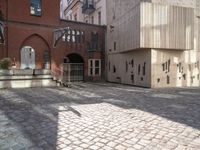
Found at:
(92, 67)
(36, 15)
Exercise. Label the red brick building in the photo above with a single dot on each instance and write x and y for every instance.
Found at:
(29, 27)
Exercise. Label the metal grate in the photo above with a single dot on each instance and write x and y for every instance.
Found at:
(73, 72)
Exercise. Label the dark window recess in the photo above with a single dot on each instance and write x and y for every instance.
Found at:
(169, 63)
(132, 63)
(109, 66)
(35, 7)
(190, 68)
(94, 41)
(168, 80)
(184, 76)
(99, 18)
(142, 78)
(158, 80)
(114, 69)
(138, 69)
(163, 65)
(126, 66)
(144, 69)
(91, 70)
(179, 67)
(132, 78)
(97, 70)
(166, 66)
(115, 46)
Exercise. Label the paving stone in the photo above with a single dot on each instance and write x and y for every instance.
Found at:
(130, 118)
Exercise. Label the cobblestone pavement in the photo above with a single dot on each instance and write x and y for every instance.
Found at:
(100, 116)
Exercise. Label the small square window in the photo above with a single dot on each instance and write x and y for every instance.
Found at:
(35, 7)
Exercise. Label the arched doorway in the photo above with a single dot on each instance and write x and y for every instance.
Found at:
(41, 49)
(73, 67)
(27, 58)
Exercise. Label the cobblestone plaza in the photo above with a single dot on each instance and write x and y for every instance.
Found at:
(99, 116)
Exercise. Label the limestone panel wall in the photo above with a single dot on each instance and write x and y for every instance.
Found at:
(183, 3)
(154, 43)
(198, 8)
(123, 30)
(175, 68)
(130, 68)
(166, 26)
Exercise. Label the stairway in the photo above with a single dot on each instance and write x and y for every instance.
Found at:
(19, 78)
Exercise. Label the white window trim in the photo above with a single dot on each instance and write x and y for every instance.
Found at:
(94, 67)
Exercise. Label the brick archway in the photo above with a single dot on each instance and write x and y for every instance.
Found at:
(73, 68)
(42, 50)
(73, 58)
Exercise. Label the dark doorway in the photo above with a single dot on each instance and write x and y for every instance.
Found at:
(74, 58)
(73, 68)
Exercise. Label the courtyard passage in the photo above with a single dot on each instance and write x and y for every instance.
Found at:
(102, 116)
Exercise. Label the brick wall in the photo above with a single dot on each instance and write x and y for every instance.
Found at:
(23, 29)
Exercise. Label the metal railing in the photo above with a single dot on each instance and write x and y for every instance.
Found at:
(70, 72)
(73, 72)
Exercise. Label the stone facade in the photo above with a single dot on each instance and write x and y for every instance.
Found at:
(152, 43)
(23, 29)
(73, 11)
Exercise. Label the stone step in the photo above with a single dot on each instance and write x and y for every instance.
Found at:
(28, 83)
(25, 72)
(25, 77)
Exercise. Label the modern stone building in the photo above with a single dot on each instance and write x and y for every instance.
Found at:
(153, 43)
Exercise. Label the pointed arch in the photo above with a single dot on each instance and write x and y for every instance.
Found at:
(42, 50)
(36, 35)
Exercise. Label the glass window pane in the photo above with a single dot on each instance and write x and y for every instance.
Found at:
(97, 71)
(97, 63)
(35, 8)
(91, 71)
(91, 63)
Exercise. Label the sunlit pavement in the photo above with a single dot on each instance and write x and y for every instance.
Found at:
(99, 116)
